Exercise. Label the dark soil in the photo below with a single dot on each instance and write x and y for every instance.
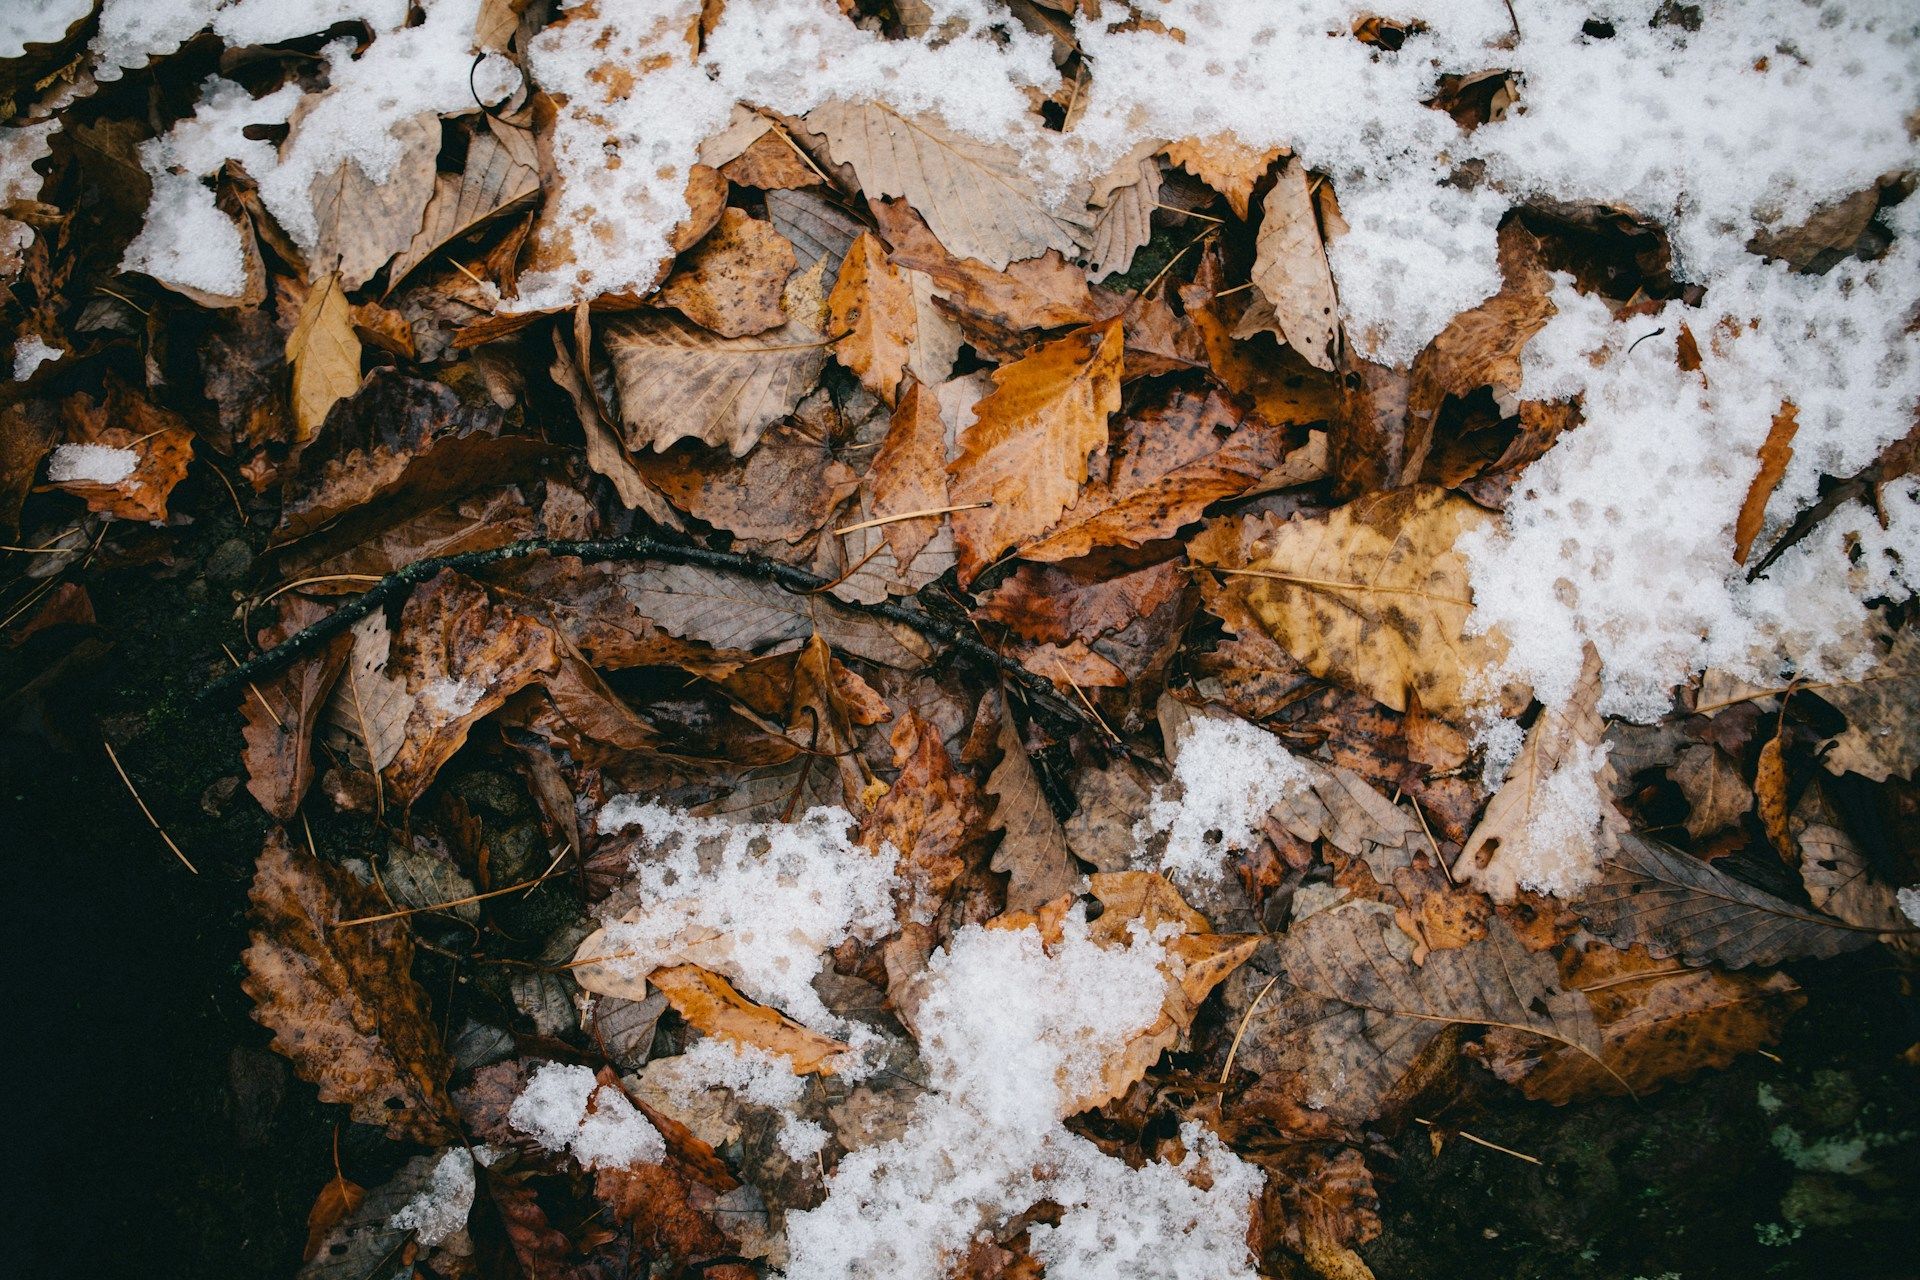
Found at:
(161, 1138)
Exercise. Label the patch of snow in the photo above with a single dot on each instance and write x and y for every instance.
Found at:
(1909, 899)
(1009, 1031)
(25, 22)
(554, 1111)
(442, 1206)
(762, 1078)
(1227, 775)
(29, 353)
(760, 903)
(451, 699)
(1558, 849)
(90, 464)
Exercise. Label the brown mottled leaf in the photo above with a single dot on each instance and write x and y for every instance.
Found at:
(784, 489)
(770, 163)
(324, 354)
(1296, 301)
(709, 1002)
(930, 815)
(1033, 852)
(1026, 451)
(363, 223)
(1353, 954)
(1506, 846)
(1775, 453)
(1770, 797)
(1046, 292)
(676, 381)
(365, 1240)
(1371, 594)
(1882, 737)
(735, 612)
(159, 440)
(910, 473)
(336, 1201)
(1123, 205)
(1226, 164)
(1835, 872)
(1717, 796)
(1677, 905)
(732, 281)
(1080, 600)
(282, 710)
(1172, 461)
(1656, 1026)
(342, 1003)
(975, 195)
(1285, 389)
(501, 174)
(871, 306)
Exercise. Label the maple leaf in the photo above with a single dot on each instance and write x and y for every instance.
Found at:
(342, 1002)
(1026, 452)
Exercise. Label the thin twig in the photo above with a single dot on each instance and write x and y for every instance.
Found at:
(442, 906)
(877, 521)
(264, 704)
(1491, 1146)
(1245, 1018)
(135, 793)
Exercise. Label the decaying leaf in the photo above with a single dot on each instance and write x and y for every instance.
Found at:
(1026, 452)
(973, 194)
(1226, 164)
(342, 1002)
(281, 714)
(1677, 905)
(363, 223)
(1775, 453)
(1372, 594)
(709, 1002)
(324, 353)
(500, 174)
(1882, 737)
(677, 381)
(1296, 299)
(152, 447)
(1033, 851)
(1836, 875)
(732, 281)
(1656, 1025)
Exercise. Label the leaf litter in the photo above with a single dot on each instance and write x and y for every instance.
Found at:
(1256, 474)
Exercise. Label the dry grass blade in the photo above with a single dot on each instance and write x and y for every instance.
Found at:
(135, 793)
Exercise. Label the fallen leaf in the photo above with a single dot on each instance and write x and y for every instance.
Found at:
(709, 1002)
(500, 175)
(362, 222)
(1080, 600)
(1170, 464)
(365, 1240)
(342, 1003)
(1226, 164)
(1033, 851)
(910, 473)
(281, 712)
(677, 381)
(1284, 388)
(1046, 292)
(1123, 204)
(1521, 830)
(771, 162)
(1770, 796)
(1291, 276)
(1882, 737)
(1835, 872)
(975, 195)
(1656, 1026)
(1828, 234)
(338, 1199)
(871, 306)
(542, 1252)
(785, 488)
(1717, 796)
(161, 445)
(324, 354)
(1775, 452)
(931, 815)
(1678, 905)
(1371, 594)
(1027, 449)
(732, 281)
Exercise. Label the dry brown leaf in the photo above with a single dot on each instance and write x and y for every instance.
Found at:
(1675, 904)
(1291, 276)
(1046, 292)
(1656, 1026)
(931, 815)
(709, 1002)
(1717, 796)
(1027, 449)
(461, 655)
(1198, 960)
(1770, 794)
(363, 223)
(770, 163)
(706, 199)
(1501, 849)
(872, 307)
(732, 281)
(342, 1003)
(910, 473)
(975, 195)
(1171, 462)
(1123, 205)
(784, 489)
(1882, 737)
(605, 453)
(159, 440)
(281, 712)
(1033, 852)
(1226, 164)
(365, 1239)
(1082, 600)
(1354, 955)
(501, 174)
(677, 381)
(1285, 390)
(1834, 869)
(1372, 594)
(325, 355)
(1775, 453)
(336, 1201)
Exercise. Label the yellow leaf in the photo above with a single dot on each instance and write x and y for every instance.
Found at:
(709, 1002)
(871, 308)
(325, 356)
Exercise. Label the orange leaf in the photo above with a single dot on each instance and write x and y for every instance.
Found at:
(709, 1002)
(1775, 453)
(872, 306)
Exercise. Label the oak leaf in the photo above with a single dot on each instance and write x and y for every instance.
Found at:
(975, 195)
(1027, 449)
(1372, 594)
(342, 1002)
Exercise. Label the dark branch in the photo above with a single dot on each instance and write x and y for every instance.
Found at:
(399, 584)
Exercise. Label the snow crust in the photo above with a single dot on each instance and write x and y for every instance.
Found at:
(442, 1206)
(754, 1075)
(24, 22)
(553, 1111)
(29, 353)
(90, 463)
(1227, 775)
(760, 903)
(1010, 1031)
